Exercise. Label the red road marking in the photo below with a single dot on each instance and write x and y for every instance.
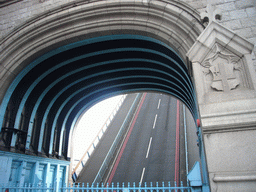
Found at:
(177, 149)
(125, 142)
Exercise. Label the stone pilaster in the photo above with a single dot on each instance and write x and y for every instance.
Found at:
(225, 84)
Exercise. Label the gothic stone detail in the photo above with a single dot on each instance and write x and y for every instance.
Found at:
(223, 70)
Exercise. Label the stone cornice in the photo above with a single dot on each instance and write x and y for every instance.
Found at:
(213, 33)
(229, 128)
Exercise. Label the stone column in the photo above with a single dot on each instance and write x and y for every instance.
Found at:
(225, 84)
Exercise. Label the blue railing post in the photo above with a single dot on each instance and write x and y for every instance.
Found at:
(97, 187)
(107, 187)
(128, 185)
(112, 187)
(181, 185)
(169, 185)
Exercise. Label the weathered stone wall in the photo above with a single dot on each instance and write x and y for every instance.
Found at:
(238, 15)
(227, 107)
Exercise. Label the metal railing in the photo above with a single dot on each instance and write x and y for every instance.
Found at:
(130, 187)
(78, 168)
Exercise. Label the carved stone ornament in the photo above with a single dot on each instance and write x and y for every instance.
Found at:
(223, 67)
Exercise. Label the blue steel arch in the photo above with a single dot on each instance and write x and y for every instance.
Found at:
(59, 50)
(97, 74)
(28, 92)
(81, 90)
(83, 107)
(77, 104)
(64, 63)
(165, 57)
(78, 101)
(120, 79)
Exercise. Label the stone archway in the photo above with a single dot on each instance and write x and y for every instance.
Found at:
(165, 30)
(174, 24)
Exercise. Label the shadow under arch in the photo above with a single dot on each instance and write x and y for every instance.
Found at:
(53, 89)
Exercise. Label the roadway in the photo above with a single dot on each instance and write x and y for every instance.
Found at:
(149, 155)
(148, 152)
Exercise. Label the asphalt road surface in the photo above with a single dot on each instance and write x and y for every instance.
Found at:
(149, 151)
(149, 155)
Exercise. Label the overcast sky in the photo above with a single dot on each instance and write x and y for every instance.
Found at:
(90, 124)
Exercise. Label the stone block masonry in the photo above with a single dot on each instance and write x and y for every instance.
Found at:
(237, 14)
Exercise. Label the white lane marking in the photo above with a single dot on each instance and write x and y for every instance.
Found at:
(158, 103)
(155, 122)
(142, 175)
(149, 147)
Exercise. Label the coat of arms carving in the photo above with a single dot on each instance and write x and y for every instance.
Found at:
(222, 67)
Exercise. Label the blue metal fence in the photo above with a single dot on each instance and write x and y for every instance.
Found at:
(145, 187)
